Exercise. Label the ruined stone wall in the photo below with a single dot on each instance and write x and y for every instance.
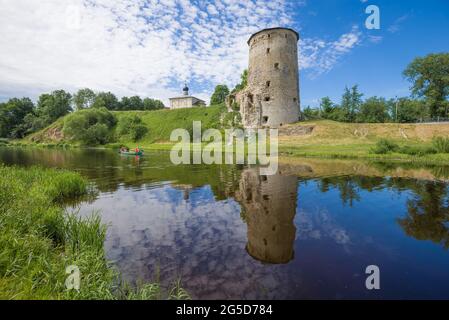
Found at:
(271, 97)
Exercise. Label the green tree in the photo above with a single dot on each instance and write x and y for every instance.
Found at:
(326, 106)
(89, 126)
(219, 95)
(131, 127)
(243, 81)
(430, 78)
(84, 98)
(152, 104)
(374, 110)
(12, 115)
(52, 106)
(311, 113)
(410, 110)
(131, 103)
(350, 103)
(107, 100)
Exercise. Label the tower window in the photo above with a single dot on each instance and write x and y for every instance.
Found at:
(286, 36)
(268, 83)
(276, 65)
(294, 99)
(269, 35)
(266, 99)
(268, 50)
(265, 120)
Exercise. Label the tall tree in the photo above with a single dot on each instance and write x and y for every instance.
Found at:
(84, 98)
(351, 102)
(243, 81)
(107, 100)
(326, 106)
(152, 104)
(373, 110)
(430, 78)
(53, 106)
(219, 95)
(12, 115)
(410, 110)
(135, 103)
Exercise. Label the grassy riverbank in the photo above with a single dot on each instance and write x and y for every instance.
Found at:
(319, 139)
(39, 240)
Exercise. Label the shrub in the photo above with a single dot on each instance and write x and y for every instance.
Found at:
(89, 126)
(441, 144)
(417, 150)
(132, 127)
(384, 146)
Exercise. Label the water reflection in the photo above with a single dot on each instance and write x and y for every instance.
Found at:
(268, 205)
(428, 213)
(229, 232)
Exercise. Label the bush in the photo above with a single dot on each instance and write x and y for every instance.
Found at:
(417, 150)
(441, 144)
(132, 127)
(89, 126)
(384, 146)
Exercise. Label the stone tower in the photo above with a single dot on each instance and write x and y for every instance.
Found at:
(271, 97)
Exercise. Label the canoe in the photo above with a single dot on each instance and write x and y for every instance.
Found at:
(131, 153)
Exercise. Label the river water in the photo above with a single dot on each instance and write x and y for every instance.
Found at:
(308, 232)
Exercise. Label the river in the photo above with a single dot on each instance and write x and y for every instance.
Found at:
(228, 232)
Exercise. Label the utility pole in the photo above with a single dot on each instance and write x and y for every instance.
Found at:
(397, 102)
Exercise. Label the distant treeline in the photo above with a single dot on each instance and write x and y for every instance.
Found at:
(19, 117)
(429, 76)
(353, 108)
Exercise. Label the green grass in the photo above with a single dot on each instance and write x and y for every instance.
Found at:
(39, 240)
(329, 139)
(417, 152)
(161, 123)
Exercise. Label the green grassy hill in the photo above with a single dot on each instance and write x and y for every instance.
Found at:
(322, 138)
(160, 124)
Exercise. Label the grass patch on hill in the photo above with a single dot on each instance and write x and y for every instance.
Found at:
(158, 126)
(161, 123)
(39, 240)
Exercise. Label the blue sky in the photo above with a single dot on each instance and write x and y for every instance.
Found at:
(408, 29)
(150, 47)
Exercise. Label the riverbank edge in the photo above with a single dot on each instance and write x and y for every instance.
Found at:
(43, 245)
(286, 151)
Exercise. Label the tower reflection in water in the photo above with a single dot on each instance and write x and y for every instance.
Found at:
(268, 206)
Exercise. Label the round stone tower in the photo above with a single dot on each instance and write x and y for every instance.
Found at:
(272, 94)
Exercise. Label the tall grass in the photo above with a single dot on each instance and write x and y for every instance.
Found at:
(441, 144)
(384, 146)
(39, 240)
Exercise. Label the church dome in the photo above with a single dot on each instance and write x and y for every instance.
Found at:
(185, 89)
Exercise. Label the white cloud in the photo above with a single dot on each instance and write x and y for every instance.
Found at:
(144, 47)
(321, 56)
(396, 26)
